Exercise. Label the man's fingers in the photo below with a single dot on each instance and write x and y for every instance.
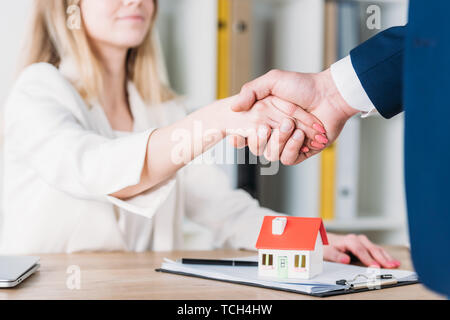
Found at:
(305, 121)
(278, 140)
(297, 112)
(332, 254)
(237, 141)
(292, 149)
(257, 141)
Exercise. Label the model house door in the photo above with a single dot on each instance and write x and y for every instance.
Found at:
(282, 267)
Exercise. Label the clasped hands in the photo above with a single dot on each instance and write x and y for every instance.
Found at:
(307, 113)
(297, 115)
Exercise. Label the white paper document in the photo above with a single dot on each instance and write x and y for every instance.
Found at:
(325, 282)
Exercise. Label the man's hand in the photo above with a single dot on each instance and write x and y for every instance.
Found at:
(275, 128)
(314, 93)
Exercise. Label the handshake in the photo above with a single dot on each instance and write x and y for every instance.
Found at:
(293, 116)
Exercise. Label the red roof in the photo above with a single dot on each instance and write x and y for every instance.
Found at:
(299, 234)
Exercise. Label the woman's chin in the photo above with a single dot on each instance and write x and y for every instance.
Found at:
(129, 43)
(128, 37)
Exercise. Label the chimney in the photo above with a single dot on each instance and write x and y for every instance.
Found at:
(278, 225)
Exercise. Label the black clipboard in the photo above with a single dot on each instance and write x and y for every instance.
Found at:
(320, 295)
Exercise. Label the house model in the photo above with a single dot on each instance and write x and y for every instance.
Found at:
(291, 247)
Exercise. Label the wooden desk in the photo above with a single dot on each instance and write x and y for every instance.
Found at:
(132, 276)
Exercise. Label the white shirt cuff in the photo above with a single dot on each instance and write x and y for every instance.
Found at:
(149, 202)
(350, 87)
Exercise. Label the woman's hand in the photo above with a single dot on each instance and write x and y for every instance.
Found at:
(361, 247)
(265, 128)
(314, 93)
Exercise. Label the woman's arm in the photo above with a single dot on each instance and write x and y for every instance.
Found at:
(46, 129)
(172, 147)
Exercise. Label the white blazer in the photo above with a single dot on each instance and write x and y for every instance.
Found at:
(62, 160)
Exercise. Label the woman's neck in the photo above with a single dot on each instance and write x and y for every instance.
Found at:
(114, 99)
(114, 76)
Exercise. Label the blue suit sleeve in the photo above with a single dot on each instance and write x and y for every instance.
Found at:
(378, 62)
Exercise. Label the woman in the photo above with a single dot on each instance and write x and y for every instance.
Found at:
(85, 166)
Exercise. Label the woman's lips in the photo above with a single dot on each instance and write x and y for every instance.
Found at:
(132, 18)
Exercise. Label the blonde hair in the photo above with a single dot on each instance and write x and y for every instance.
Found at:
(50, 40)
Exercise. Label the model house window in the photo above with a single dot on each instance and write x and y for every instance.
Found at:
(267, 259)
(300, 261)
